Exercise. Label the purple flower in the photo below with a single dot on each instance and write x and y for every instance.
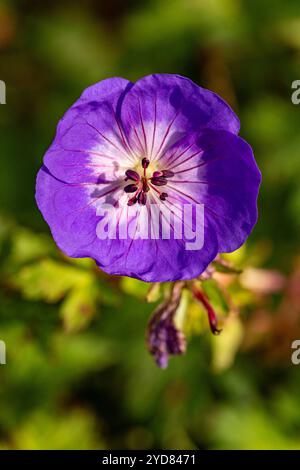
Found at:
(163, 143)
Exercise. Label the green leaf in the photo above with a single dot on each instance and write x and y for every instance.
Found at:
(49, 280)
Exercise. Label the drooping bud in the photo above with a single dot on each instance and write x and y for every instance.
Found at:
(163, 337)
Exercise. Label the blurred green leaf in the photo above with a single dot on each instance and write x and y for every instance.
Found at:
(79, 307)
(49, 280)
(225, 346)
(134, 287)
(76, 430)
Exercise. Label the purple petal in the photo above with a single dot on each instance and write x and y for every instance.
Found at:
(217, 169)
(90, 145)
(160, 108)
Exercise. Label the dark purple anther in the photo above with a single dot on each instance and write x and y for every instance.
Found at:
(145, 163)
(142, 198)
(159, 181)
(167, 173)
(130, 188)
(163, 196)
(132, 201)
(132, 175)
(157, 174)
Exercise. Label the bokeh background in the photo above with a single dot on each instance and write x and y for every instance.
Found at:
(78, 375)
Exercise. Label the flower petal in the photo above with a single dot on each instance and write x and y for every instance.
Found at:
(90, 145)
(71, 212)
(217, 169)
(161, 108)
(161, 260)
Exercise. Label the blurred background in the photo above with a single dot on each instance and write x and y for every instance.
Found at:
(78, 375)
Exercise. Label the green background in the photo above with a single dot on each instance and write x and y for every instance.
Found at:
(78, 375)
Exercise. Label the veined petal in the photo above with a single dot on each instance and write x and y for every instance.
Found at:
(218, 170)
(90, 142)
(161, 260)
(161, 108)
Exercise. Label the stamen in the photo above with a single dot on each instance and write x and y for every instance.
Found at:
(145, 163)
(157, 174)
(142, 184)
(130, 188)
(142, 198)
(132, 175)
(167, 173)
(132, 201)
(160, 181)
(163, 196)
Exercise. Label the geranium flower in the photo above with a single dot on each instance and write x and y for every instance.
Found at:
(161, 142)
